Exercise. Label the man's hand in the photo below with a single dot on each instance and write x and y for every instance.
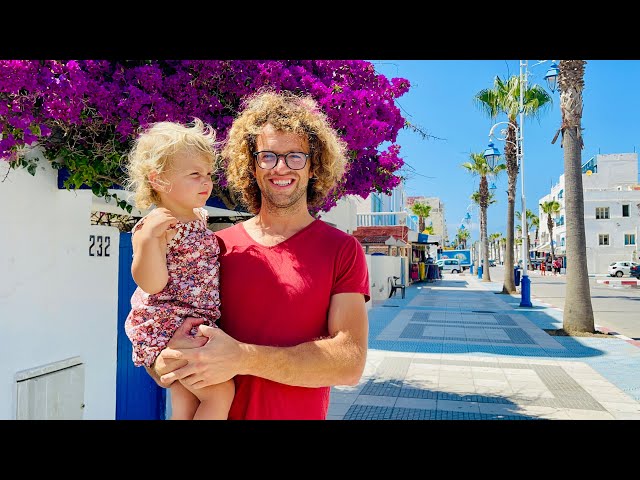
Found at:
(182, 339)
(217, 361)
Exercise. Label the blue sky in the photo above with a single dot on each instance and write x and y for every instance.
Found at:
(440, 101)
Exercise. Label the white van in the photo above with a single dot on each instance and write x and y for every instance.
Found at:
(450, 265)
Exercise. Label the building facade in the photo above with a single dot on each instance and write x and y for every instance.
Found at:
(436, 217)
(611, 192)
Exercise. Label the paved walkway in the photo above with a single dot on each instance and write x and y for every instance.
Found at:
(454, 349)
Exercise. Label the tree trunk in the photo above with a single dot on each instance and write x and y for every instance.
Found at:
(578, 311)
(510, 153)
(509, 285)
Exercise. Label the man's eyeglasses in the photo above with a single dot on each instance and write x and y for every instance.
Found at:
(268, 160)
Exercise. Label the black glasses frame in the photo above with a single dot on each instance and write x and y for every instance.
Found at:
(278, 155)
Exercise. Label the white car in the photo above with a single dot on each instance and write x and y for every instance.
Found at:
(619, 269)
(451, 265)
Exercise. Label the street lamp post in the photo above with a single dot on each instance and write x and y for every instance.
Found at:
(492, 154)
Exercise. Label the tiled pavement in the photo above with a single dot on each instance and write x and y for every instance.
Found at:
(454, 349)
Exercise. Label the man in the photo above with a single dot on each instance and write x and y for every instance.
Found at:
(293, 289)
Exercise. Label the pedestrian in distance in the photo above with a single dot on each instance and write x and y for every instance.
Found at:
(175, 255)
(293, 288)
(543, 267)
(556, 266)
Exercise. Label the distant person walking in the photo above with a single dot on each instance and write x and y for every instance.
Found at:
(557, 264)
(543, 268)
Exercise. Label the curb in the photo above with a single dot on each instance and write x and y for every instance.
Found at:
(619, 282)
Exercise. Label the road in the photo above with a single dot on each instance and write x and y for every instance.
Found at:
(616, 308)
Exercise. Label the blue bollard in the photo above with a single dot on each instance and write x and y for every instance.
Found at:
(525, 292)
(516, 276)
(479, 271)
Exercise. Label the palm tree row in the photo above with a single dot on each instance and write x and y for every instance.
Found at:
(478, 166)
(504, 98)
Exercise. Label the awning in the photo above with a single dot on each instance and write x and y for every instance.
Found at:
(427, 239)
(545, 247)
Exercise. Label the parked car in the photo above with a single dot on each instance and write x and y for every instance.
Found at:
(619, 269)
(634, 271)
(451, 265)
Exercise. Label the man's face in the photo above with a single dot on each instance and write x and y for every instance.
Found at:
(282, 187)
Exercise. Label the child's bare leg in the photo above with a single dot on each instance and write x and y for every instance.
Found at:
(184, 404)
(215, 401)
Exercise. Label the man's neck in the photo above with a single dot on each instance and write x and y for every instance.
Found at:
(284, 225)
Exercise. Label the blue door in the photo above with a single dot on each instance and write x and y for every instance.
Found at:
(138, 397)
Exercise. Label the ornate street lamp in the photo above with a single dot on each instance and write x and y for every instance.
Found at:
(552, 77)
(492, 154)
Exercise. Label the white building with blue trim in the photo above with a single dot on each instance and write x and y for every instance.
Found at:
(611, 191)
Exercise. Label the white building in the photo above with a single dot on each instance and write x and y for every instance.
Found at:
(343, 216)
(436, 217)
(611, 211)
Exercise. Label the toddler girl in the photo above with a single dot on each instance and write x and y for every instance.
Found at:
(175, 256)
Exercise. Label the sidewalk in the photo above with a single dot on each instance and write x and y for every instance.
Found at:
(454, 349)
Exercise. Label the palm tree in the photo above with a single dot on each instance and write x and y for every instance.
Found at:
(504, 97)
(530, 217)
(476, 198)
(578, 311)
(422, 210)
(494, 238)
(535, 223)
(552, 207)
(479, 166)
(462, 237)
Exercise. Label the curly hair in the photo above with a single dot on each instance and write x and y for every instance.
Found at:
(291, 113)
(155, 146)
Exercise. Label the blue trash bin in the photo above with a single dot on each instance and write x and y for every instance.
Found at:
(516, 276)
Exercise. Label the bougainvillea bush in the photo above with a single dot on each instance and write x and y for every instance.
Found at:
(84, 114)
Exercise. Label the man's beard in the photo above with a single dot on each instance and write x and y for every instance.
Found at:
(282, 204)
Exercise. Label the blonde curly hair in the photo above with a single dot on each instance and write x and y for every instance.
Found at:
(156, 145)
(291, 113)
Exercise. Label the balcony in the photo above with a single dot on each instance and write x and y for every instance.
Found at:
(386, 219)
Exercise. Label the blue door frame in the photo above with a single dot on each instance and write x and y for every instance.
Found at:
(138, 397)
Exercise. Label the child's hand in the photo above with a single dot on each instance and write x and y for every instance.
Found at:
(184, 336)
(158, 221)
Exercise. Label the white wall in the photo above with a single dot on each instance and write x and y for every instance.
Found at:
(56, 301)
(381, 267)
(613, 185)
(343, 215)
(616, 226)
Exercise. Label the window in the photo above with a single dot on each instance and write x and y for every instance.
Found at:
(603, 239)
(629, 238)
(602, 213)
(560, 194)
(562, 242)
(625, 210)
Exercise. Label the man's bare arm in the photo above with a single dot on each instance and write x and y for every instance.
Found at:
(336, 360)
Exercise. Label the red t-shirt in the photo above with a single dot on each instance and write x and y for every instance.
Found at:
(280, 296)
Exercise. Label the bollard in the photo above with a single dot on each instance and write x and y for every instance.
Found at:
(516, 276)
(479, 271)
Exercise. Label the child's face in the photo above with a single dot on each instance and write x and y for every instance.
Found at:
(190, 184)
